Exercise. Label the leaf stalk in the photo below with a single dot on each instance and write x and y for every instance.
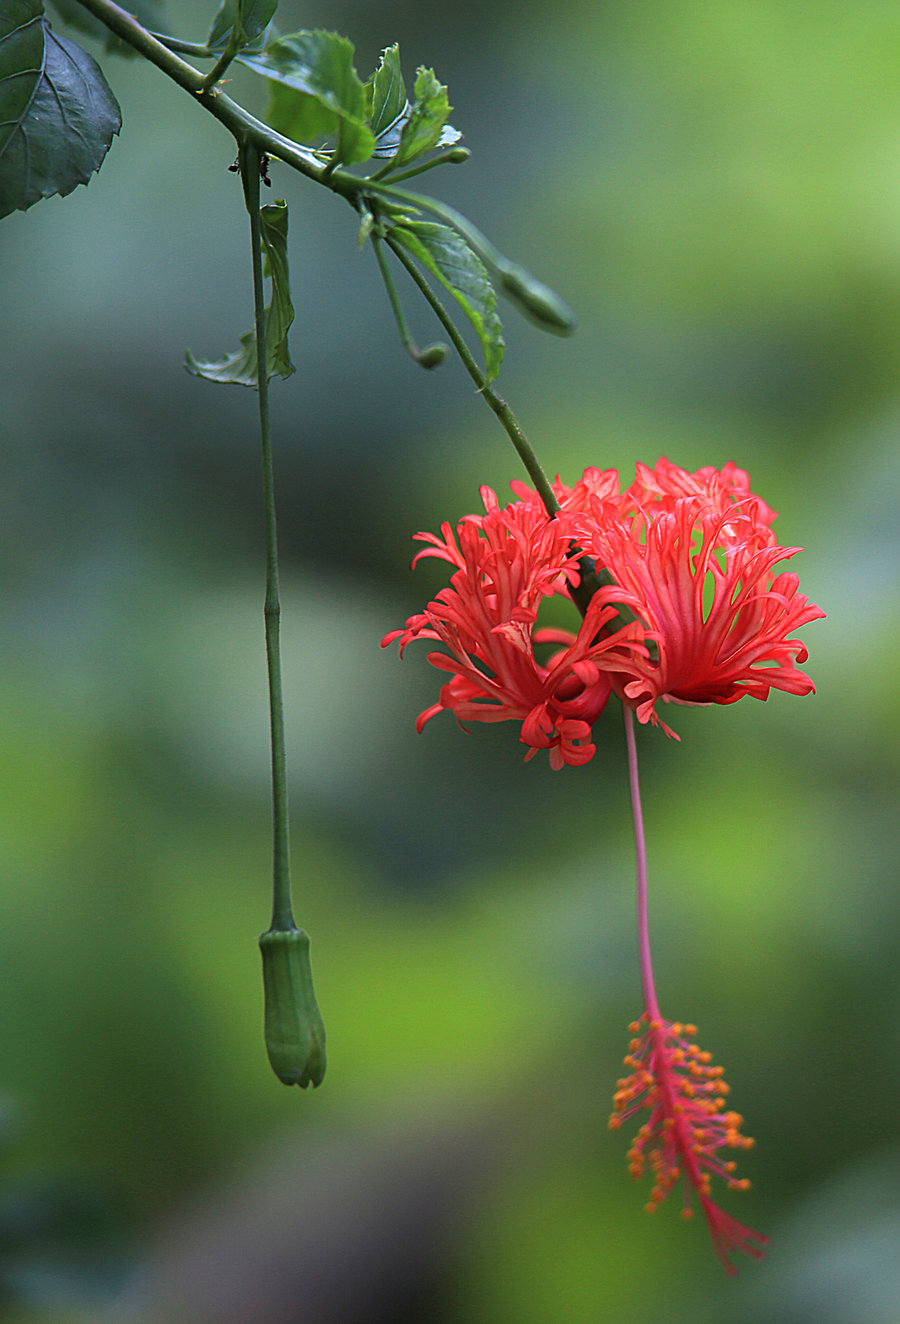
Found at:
(432, 355)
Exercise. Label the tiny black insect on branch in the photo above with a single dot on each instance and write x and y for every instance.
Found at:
(263, 168)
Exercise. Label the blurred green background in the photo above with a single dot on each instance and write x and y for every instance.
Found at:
(715, 187)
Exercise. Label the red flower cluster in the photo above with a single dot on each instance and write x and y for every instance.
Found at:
(692, 556)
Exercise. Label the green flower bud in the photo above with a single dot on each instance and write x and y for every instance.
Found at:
(295, 1035)
(537, 300)
(432, 356)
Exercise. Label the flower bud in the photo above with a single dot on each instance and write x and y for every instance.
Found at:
(537, 300)
(432, 356)
(294, 1032)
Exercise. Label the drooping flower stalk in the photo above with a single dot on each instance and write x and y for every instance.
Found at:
(651, 1006)
(294, 1032)
(674, 1078)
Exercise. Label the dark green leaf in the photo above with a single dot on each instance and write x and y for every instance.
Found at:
(63, 134)
(447, 256)
(318, 65)
(253, 15)
(427, 125)
(241, 366)
(147, 12)
(21, 63)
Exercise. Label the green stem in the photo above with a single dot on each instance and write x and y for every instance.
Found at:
(282, 913)
(240, 123)
(496, 402)
(195, 48)
(127, 27)
(396, 309)
(161, 51)
(533, 298)
(453, 156)
(251, 132)
(592, 578)
(218, 69)
(478, 242)
(432, 355)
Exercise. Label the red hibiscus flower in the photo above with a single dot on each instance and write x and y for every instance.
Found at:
(507, 562)
(692, 555)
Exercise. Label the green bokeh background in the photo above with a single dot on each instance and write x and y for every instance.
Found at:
(715, 187)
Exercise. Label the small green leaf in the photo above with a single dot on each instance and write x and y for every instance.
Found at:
(447, 256)
(386, 91)
(391, 116)
(58, 137)
(426, 126)
(254, 17)
(318, 67)
(241, 366)
(386, 102)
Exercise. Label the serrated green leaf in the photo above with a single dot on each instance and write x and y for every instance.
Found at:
(319, 65)
(388, 104)
(253, 15)
(386, 99)
(149, 13)
(61, 137)
(447, 256)
(241, 366)
(426, 126)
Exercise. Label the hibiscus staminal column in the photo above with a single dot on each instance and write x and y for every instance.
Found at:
(675, 1080)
